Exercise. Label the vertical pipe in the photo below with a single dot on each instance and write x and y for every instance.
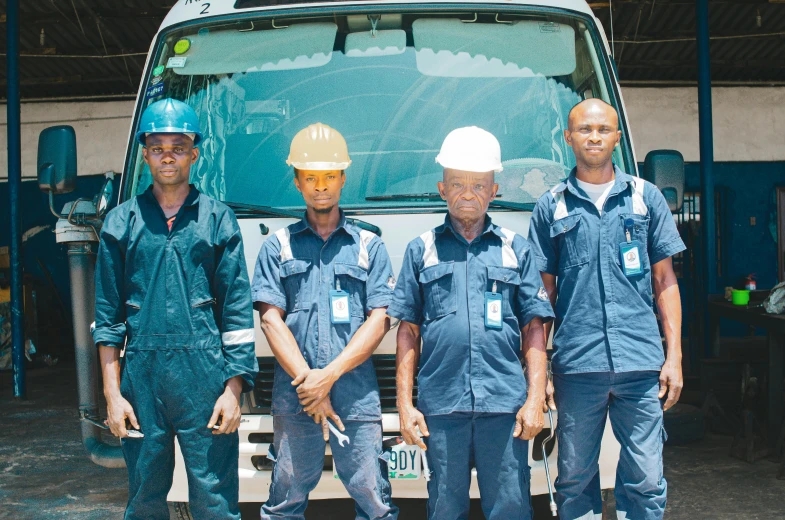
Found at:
(81, 268)
(708, 220)
(15, 205)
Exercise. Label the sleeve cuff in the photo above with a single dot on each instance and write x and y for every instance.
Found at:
(248, 379)
(113, 336)
(401, 312)
(377, 303)
(671, 248)
(544, 266)
(275, 299)
(537, 310)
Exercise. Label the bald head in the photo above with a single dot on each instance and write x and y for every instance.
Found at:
(593, 133)
(592, 107)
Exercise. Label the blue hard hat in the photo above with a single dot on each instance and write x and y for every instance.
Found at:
(169, 116)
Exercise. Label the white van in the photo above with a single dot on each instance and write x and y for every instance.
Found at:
(394, 77)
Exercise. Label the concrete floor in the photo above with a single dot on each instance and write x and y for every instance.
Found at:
(44, 473)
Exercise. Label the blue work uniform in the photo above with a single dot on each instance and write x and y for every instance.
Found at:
(179, 300)
(299, 272)
(607, 346)
(470, 382)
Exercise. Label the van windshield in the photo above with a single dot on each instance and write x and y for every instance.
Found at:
(393, 84)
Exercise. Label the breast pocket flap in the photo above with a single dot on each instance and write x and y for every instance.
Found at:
(354, 271)
(564, 225)
(293, 267)
(504, 275)
(435, 272)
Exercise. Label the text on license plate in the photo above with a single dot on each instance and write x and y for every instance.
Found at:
(404, 463)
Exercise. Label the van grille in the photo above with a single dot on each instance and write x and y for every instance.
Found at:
(385, 375)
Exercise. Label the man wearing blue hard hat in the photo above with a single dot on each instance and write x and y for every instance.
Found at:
(172, 289)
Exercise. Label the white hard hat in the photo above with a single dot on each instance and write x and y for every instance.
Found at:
(471, 149)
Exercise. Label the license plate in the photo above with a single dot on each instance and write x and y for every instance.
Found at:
(404, 463)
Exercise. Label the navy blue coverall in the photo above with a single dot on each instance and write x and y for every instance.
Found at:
(179, 300)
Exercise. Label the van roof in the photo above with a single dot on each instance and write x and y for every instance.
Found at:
(187, 10)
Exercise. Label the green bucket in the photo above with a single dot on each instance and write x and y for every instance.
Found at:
(740, 297)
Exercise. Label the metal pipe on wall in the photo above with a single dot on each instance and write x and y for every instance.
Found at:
(13, 109)
(707, 207)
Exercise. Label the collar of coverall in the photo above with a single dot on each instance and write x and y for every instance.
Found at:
(489, 227)
(191, 200)
(304, 225)
(621, 182)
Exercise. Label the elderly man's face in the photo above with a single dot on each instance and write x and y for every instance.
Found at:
(467, 193)
(593, 133)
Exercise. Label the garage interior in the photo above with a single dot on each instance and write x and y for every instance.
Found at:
(704, 77)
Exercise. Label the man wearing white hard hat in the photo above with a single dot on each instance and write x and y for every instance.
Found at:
(470, 291)
(322, 287)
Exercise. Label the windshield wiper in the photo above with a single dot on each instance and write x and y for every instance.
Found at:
(252, 209)
(406, 196)
(518, 206)
(496, 203)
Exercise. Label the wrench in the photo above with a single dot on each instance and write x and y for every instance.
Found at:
(338, 435)
(545, 461)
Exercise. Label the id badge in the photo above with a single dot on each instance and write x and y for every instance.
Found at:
(493, 310)
(339, 307)
(631, 258)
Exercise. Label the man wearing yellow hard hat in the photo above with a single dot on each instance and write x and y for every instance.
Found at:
(322, 287)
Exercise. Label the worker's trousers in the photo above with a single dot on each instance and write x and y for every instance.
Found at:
(173, 393)
(462, 440)
(630, 399)
(297, 453)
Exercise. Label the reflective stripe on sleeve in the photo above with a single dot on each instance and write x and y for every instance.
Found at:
(237, 337)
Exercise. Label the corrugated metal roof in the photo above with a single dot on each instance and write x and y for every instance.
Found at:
(654, 43)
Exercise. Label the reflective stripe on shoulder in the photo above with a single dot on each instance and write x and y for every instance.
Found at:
(558, 197)
(638, 204)
(237, 337)
(508, 253)
(286, 247)
(365, 239)
(429, 255)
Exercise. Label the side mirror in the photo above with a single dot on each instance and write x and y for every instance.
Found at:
(57, 160)
(665, 169)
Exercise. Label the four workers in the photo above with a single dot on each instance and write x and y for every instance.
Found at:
(473, 299)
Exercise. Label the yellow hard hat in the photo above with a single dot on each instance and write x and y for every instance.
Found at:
(319, 147)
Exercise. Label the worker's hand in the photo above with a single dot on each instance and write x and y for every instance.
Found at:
(117, 410)
(411, 419)
(321, 413)
(313, 386)
(550, 402)
(529, 420)
(227, 408)
(671, 382)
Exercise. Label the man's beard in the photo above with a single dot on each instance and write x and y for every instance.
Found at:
(323, 211)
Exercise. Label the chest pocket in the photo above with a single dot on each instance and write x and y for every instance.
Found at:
(294, 277)
(203, 313)
(572, 242)
(438, 288)
(352, 279)
(640, 232)
(507, 282)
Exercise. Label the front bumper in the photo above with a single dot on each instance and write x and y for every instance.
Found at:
(256, 435)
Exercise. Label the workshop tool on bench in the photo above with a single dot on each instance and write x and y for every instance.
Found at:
(548, 439)
(338, 435)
